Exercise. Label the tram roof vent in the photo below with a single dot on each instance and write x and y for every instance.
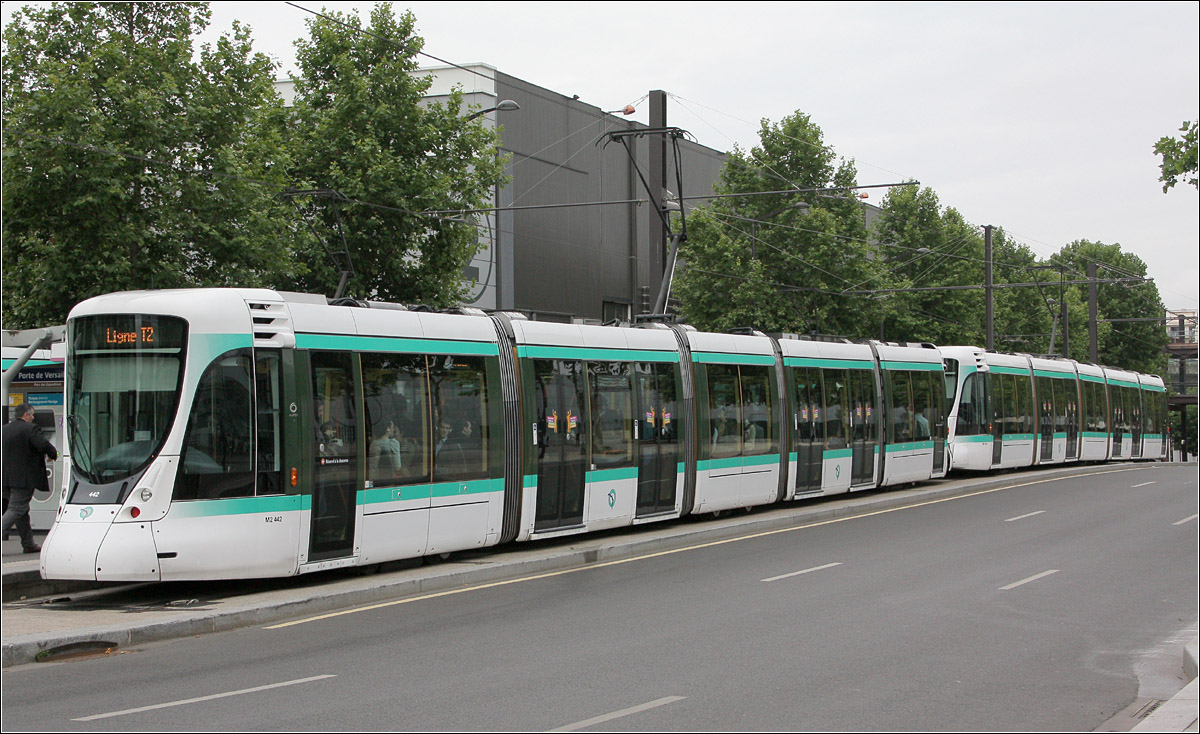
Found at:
(465, 311)
(835, 338)
(746, 331)
(386, 306)
(272, 324)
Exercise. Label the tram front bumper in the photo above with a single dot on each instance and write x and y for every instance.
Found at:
(80, 548)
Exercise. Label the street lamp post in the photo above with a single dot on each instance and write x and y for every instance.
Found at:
(506, 105)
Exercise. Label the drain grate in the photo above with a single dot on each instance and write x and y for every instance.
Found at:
(1148, 709)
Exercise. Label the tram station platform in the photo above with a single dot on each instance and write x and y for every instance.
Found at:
(44, 621)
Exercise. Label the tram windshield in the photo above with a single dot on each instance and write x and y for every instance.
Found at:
(123, 374)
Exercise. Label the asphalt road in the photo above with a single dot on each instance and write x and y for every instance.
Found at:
(1027, 607)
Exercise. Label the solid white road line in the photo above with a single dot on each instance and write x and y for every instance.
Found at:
(1031, 578)
(203, 698)
(618, 714)
(1143, 484)
(685, 549)
(1186, 519)
(797, 573)
(1022, 517)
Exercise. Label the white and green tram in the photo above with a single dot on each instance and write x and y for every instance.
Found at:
(246, 433)
(1016, 410)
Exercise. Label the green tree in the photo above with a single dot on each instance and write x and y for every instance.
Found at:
(780, 262)
(1178, 157)
(127, 163)
(362, 128)
(924, 247)
(1131, 345)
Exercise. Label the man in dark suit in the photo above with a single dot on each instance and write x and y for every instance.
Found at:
(25, 453)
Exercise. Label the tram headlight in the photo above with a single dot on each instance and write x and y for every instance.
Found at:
(134, 512)
(146, 494)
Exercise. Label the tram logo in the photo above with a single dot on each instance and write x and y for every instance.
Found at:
(612, 497)
(85, 513)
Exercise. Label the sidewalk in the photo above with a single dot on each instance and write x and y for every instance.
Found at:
(33, 628)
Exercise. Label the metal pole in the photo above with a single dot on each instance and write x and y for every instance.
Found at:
(657, 175)
(1093, 324)
(988, 312)
(1062, 296)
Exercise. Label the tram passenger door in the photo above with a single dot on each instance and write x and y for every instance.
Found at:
(1045, 418)
(657, 419)
(997, 404)
(862, 392)
(1072, 415)
(561, 443)
(809, 433)
(335, 456)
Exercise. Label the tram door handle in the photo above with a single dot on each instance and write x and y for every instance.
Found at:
(637, 432)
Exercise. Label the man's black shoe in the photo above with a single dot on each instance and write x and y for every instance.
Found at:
(33, 549)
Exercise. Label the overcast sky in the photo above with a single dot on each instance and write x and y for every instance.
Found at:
(1037, 117)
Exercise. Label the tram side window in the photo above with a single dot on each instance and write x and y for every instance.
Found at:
(925, 403)
(837, 411)
(1060, 388)
(949, 383)
(972, 406)
(723, 413)
(218, 458)
(901, 407)
(467, 438)
(1045, 405)
(1149, 424)
(1004, 402)
(268, 430)
(611, 396)
(758, 424)
(1093, 407)
(808, 404)
(397, 418)
(1024, 389)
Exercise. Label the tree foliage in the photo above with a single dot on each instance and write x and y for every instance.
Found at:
(780, 262)
(1131, 345)
(362, 128)
(127, 163)
(1178, 157)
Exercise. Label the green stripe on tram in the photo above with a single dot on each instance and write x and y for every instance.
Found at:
(239, 505)
(376, 495)
(1054, 375)
(724, 358)
(1123, 383)
(1023, 371)
(976, 438)
(837, 454)
(909, 446)
(612, 475)
(738, 461)
(830, 364)
(395, 344)
(597, 354)
(913, 366)
(1154, 388)
(1091, 378)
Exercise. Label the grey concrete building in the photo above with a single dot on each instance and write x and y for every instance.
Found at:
(598, 261)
